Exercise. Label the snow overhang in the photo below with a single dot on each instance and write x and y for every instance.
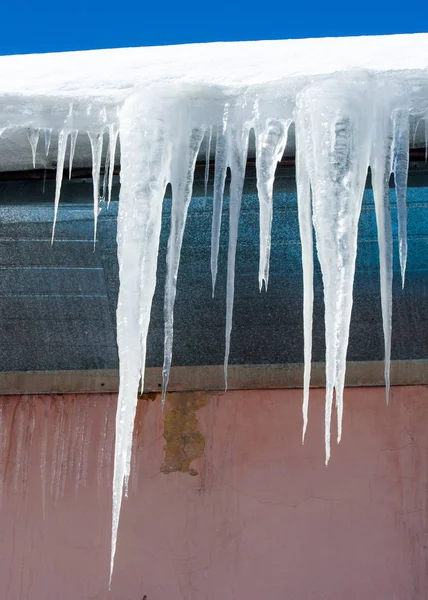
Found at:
(42, 91)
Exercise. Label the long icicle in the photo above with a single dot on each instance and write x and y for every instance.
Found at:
(145, 159)
(271, 139)
(334, 131)
(304, 206)
(381, 168)
(73, 140)
(182, 185)
(401, 170)
(238, 158)
(62, 146)
(221, 160)
(33, 138)
(96, 140)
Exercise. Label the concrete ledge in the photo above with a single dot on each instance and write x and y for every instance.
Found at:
(210, 378)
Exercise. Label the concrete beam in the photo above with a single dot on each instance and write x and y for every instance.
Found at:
(210, 378)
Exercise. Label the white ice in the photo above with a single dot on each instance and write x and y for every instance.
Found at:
(333, 129)
(354, 102)
(33, 138)
(271, 140)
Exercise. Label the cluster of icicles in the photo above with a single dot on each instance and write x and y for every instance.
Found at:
(343, 126)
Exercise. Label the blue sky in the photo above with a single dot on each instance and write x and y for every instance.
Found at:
(31, 26)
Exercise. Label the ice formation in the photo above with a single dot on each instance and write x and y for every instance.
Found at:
(355, 104)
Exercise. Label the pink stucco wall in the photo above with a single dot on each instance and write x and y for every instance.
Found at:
(263, 519)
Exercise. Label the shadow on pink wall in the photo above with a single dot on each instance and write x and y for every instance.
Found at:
(228, 505)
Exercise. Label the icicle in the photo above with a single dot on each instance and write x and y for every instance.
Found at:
(238, 158)
(113, 135)
(33, 138)
(333, 131)
(401, 169)
(381, 167)
(48, 138)
(306, 239)
(73, 139)
(271, 139)
(220, 168)
(207, 160)
(62, 145)
(182, 184)
(96, 140)
(145, 150)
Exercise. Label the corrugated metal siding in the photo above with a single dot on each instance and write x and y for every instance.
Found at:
(54, 306)
(57, 304)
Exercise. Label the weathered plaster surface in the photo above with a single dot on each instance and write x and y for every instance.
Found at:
(262, 517)
(184, 442)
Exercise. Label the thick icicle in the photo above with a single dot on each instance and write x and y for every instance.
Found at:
(271, 139)
(381, 168)
(220, 168)
(306, 239)
(401, 170)
(145, 158)
(33, 138)
(62, 145)
(73, 140)
(207, 160)
(97, 151)
(333, 129)
(182, 173)
(238, 143)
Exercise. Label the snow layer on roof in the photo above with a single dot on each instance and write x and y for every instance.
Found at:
(41, 90)
(113, 73)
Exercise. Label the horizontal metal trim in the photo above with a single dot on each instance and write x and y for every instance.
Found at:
(210, 378)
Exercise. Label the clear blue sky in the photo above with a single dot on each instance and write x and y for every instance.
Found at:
(31, 26)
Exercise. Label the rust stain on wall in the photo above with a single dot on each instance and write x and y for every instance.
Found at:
(144, 400)
(184, 441)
